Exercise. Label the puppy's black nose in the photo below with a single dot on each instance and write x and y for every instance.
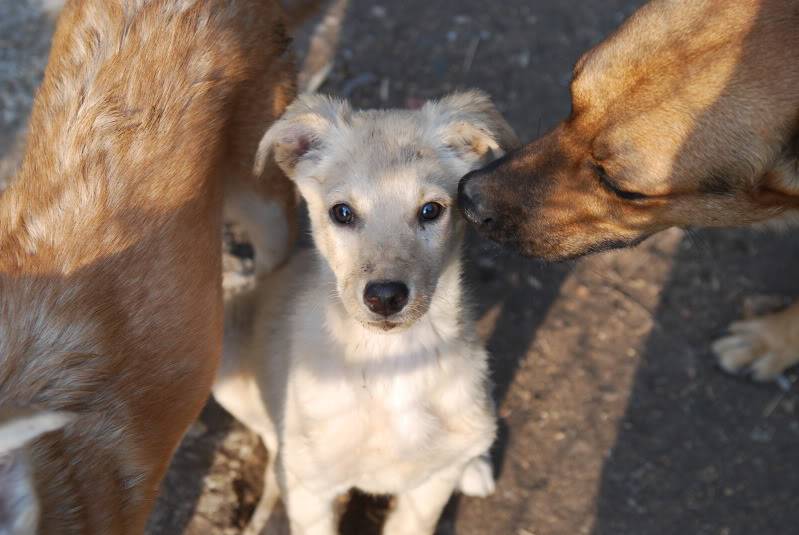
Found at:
(386, 297)
(472, 203)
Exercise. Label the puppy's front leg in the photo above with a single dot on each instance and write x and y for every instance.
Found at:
(418, 510)
(310, 513)
(269, 498)
(765, 346)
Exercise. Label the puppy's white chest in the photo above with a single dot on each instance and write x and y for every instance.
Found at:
(381, 437)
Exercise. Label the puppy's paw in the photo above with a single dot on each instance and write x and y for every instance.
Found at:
(478, 478)
(765, 347)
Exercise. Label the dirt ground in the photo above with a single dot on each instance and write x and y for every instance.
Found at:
(615, 419)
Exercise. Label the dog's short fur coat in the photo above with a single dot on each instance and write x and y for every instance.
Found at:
(343, 396)
(110, 265)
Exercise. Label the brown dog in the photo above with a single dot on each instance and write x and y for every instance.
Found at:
(687, 115)
(110, 295)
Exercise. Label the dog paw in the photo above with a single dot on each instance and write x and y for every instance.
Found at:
(764, 347)
(478, 478)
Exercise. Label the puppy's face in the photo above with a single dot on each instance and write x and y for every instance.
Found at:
(380, 188)
(672, 125)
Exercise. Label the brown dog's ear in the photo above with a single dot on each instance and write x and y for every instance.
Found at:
(19, 504)
(471, 126)
(20, 426)
(299, 134)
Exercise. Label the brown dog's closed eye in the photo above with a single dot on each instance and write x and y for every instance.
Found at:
(609, 185)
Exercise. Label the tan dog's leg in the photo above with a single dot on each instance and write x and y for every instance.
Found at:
(767, 346)
(265, 207)
(263, 203)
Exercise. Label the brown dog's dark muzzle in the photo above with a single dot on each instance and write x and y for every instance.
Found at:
(496, 199)
(472, 203)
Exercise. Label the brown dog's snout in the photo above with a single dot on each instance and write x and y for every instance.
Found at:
(472, 202)
(477, 195)
(510, 200)
(491, 198)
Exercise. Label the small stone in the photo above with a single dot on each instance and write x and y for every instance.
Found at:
(709, 474)
(534, 282)
(523, 59)
(762, 435)
(197, 429)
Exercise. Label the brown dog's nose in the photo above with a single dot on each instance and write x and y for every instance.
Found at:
(386, 297)
(471, 202)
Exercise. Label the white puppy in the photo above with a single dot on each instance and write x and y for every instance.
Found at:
(359, 365)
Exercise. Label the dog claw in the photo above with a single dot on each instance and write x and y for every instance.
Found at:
(735, 354)
(762, 349)
(478, 478)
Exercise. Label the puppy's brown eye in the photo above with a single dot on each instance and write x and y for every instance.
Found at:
(342, 214)
(430, 212)
(608, 184)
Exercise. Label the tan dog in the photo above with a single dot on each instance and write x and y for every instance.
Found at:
(687, 115)
(110, 295)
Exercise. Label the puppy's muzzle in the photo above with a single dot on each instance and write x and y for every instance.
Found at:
(386, 297)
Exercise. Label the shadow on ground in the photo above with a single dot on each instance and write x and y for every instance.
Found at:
(698, 451)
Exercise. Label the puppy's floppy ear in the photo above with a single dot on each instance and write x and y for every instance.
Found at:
(470, 125)
(297, 137)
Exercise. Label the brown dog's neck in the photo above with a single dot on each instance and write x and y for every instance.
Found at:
(779, 187)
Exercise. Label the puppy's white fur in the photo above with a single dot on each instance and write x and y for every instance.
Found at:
(341, 396)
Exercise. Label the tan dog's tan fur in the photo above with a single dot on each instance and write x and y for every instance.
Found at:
(110, 298)
(687, 116)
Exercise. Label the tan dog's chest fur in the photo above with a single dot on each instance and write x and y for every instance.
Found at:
(110, 300)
